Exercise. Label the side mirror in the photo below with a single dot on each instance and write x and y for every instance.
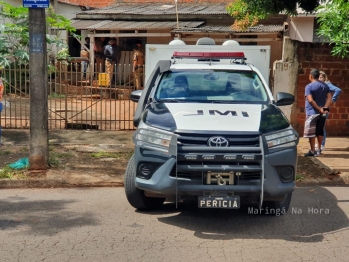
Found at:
(284, 99)
(136, 95)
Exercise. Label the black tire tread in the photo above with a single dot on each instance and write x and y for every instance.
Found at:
(136, 196)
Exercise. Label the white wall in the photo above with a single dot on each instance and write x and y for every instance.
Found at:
(68, 11)
(302, 29)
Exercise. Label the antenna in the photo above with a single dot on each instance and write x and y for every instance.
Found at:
(176, 14)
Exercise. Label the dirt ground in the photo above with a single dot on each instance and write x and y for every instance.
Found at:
(66, 158)
(72, 158)
(310, 168)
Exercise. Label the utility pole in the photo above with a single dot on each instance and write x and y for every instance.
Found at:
(38, 157)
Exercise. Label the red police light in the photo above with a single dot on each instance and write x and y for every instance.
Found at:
(227, 55)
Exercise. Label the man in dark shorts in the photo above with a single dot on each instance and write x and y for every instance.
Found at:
(317, 99)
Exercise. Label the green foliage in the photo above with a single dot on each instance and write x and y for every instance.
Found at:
(332, 17)
(14, 38)
(63, 53)
(334, 24)
(248, 12)
(245, 17)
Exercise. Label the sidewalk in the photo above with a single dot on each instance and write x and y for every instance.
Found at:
(335, 159)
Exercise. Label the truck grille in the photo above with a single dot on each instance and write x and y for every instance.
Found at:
(195, 158)
(234, 140)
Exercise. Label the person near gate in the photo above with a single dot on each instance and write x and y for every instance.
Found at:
(112, 55)
(138, 64)
(335, 93)
(317, 100)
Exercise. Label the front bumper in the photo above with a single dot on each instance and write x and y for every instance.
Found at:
(175, 175)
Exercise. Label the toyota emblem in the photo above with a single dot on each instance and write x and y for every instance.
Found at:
(218, 141)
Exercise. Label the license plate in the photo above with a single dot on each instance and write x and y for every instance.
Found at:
(219, 202)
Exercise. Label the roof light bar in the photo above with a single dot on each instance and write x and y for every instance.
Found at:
(216, 55)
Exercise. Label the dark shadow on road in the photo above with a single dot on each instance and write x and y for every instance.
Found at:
(46, 217)
(313, 214)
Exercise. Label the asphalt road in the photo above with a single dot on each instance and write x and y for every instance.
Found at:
(98, 224)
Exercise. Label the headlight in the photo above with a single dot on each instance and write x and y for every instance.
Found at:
(153, 138)
(281, 139)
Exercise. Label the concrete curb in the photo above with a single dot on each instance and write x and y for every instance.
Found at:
(52, 183)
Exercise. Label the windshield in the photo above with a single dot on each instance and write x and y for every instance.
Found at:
(211, 86)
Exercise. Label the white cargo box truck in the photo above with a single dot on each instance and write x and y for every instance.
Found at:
(259, 56)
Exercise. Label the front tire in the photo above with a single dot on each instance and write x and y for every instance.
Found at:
(136, 196)
(278, 207)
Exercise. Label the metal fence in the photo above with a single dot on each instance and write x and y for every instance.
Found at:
(76, 99)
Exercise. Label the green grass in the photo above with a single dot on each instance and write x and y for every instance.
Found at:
(24, 149)
(111, 155)
(54, 158)
(299, 177)
(6, 172)
(5, 153)
(54, 95)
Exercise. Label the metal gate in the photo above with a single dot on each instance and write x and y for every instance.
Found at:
(78, 96)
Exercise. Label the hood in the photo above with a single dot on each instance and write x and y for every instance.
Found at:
(215, 117)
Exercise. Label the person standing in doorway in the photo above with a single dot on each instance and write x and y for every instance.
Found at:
(85, 54)
(138, 64)
(317, 100)
(99, 55)
(112, 54)
(336, 91)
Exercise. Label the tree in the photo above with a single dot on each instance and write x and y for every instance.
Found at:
(14, 33)
(334, 24)
(332, 17)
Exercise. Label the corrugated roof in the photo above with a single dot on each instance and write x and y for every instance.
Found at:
(130, 25)
(160, 9)
(227, 29)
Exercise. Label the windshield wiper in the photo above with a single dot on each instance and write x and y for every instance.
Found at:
(169, 101)
(223, 101)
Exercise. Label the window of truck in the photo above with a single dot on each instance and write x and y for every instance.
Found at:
(211, 86)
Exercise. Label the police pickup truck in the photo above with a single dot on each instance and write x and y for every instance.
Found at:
(209, 129)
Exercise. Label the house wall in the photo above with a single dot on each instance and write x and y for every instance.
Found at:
(158, 40)
(285, 74)
(68, 11)
(302, 28)
(319, 56)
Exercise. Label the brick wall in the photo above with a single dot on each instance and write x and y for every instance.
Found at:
(173, 2)
(90, 3)
(319, 56)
